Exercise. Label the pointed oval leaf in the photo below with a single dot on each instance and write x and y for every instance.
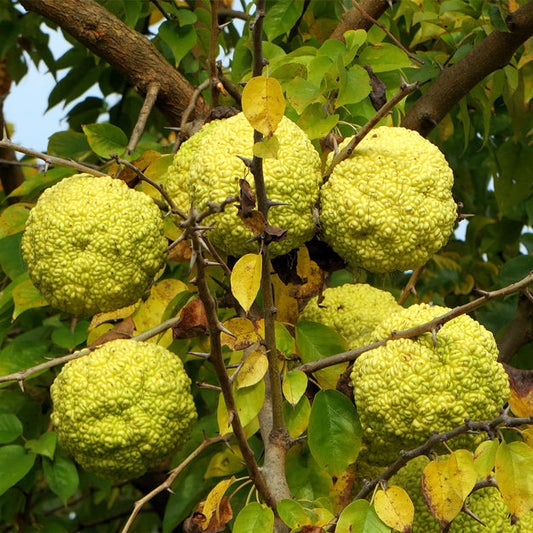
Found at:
(263, 104)
(246, 279)
(462, 471)
(13, 219)
(254, 518)
(267, 148)
(297, 416)
(252, 370)
(10, 428)
(105, 139)
(334, 432)
(514, 474)
(26, 296)
(294, 386)
(485, 458)
(443, 501)
(15, 463)
(228, 461)
(395, 508)
(61, 476)
(214, 498)
(360, 517)
(244, 334)
(45, 445)
(293, 513)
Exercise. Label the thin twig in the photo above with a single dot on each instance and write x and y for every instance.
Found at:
(410, 287)
(404, 90)
(230, 87)
(18, 164)
(432, 325)
(21, 375)
(174, 473)
(365, 15)
(161, 9)
(49, 159)
(149, 102)
(232, 13)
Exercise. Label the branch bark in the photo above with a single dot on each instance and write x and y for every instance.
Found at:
(520, 330)
(353, 19)
(126, 50)
(454, 82)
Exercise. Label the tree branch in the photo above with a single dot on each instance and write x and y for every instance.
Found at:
(520, 330)
(432, 325)
(354, 20)
(149, 101)
(454, 82)
(129, 52)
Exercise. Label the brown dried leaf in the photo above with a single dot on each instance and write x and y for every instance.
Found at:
(199, 522)
(181, 253)
(123, 330)
(142, 163)
(274, 234)
(254, 221)
(192, 322)
(521, 382)
(247, 205)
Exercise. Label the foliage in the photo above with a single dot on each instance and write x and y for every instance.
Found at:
(330, 88)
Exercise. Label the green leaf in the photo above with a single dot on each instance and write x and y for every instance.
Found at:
(354, 39)
(334, 431)
(13, 219)
(70, 144)
(44, 445)
(316, 123)
(33, 185)
(354, 87)
(297, 417)
(383, 57)
(254, 518)
(10, 428)
(186, 16)
(294, 386)
(360, 517)
(26, 296)
(15, 463)
(106, 139)
(61, 476)
(292, 513)
(179, 39)
(11, 259)
(301, 93)
(515, 269)
(281, 17)
(68, 339)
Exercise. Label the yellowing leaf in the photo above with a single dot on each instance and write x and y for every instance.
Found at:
(395, 508)
(297, 417)
(527, 435)
(484, 458)
(443, 500)
(243, 331)
(212, 502)
(286, 305)
(13, 219)
(263, 104)
(514, 474)
(228, 461)
(113, 316)
(463, 474)
(246, 279)
(252, 370)
(267, 148)
(310, 272)
(26, 296)
(294, 386)
(521, 382)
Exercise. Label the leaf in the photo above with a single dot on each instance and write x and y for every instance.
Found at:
(15, 463)
(293, 513)
(11, 259)
(384, 57)
(521, 383)
(514, 474)
(246, 279)
(214, 498)
(263, 104)
(485, 458)
(192, 322)
(26, 296)
(10, 428)
(253, 369)
(254, 518)
(439, 492)
(267, 148)
(64, 337)
(463, 473)
(395, 508)
(334, 432)
(244, 334)
(281, 17)
(301, 93)
(360, 517)
(61, 476)
(354, 87)
(297, 417)
(294, 386)
(13, 219)
(44, 445)
(179, 39)
(70, 144)
(105, 139)
(228, 461)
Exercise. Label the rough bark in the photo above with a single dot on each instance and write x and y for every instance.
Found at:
(128, 51)
(354, 20)
(520, 331)
(454, 82)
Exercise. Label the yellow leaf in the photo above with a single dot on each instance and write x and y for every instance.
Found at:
(443, 500)
(514, 474)
(228, 461)
(297, 416)
(395, 508)
(267, 148)
(484, 458)
(252, 370)
(263, 104)
(286, 305)
(113, 316)
(527, 435)
(243, 331)
(463, 474)
(212, 502)
(246, 279)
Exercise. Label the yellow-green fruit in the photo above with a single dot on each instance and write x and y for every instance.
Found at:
(408, 388)
(92, 244)
(354, 310)
(293, 177)
(123, 408)
(176, 178)
(487, 504)
(389, 206)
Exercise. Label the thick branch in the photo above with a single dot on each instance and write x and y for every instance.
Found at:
(353, 19)
(454, 82)
(129, 52)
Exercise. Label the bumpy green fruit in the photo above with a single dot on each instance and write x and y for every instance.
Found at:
(215, 169)
(354, 310)
(92, 244)
(123, 408)
(487, 504)
(389, 206)
(408, 388)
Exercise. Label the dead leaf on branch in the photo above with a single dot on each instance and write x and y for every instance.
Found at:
(521, 382)
(123, 330)
(248, 199)
(192, 322)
